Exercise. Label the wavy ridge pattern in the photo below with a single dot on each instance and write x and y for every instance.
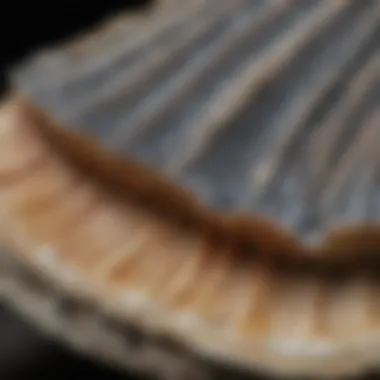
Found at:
(60, 216)
(244, 103)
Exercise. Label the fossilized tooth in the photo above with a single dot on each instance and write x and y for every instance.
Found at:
(181, 88)
(91, 241)
(253, 105)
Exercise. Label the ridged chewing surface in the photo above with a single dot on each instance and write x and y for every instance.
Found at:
(297, 141)
(267, 106)
(63, 218)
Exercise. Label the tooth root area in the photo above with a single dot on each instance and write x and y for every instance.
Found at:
(69, 229)
(98, 232)
(184, 284)
(127, 270)
(15, 137)
(255, 317)
(38, 187)
(351, 310)
(121, 254)
(311, 318)
(203, 302)
(163, 269)
(297, 318)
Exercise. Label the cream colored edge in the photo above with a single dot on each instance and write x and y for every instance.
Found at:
(287, 358)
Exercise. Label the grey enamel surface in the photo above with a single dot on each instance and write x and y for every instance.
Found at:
(269, 106)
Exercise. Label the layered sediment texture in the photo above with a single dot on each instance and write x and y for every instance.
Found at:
(237, 289)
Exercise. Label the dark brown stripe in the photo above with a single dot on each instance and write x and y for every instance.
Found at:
(249, 236)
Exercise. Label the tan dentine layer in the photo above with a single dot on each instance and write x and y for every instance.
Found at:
(172, 279)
